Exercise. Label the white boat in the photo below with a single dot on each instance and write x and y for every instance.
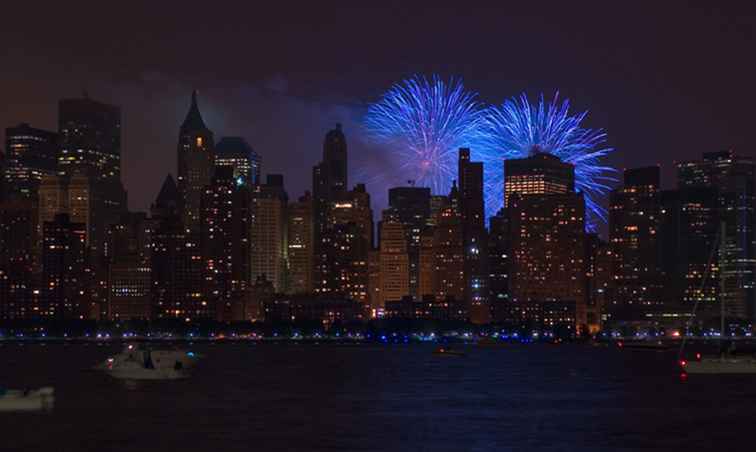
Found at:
(41, 399)
(143, 363)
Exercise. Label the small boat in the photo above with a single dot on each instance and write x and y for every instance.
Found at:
(446, 350)
(146, 364)
(41, 399)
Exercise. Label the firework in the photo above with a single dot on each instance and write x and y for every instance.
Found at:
(518, 127)
(422, 123)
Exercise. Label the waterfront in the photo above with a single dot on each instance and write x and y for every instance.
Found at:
(248, 396)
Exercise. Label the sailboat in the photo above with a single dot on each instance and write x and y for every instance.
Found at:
(727, 362)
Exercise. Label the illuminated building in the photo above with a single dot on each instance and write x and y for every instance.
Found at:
(195, 164)
(129, 260)
(719, 190)
(547, 224)
(225, 241)
(90, 146)
(394, 260)
(437, 202)
(329, 178)
(31, 154)
(300, 245)
(374, 280)
(130, 290)
(72, 195)
(426, 281)
(324, 309)
(475, 236)
(269, 231)
(541, 174)
(635, 223)
(345, 244)
(411, 205)
(427, 308)
(449, 253)
(90, 138)
(18, 239)
(177, 285)
(65, 273)
(238, 154)
(498, 266)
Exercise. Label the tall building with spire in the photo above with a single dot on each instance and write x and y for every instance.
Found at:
(196, 147)
(329, 179)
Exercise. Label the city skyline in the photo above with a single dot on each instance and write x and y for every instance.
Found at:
(646, 92)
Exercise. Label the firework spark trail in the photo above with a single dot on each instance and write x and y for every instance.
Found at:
(423, 122)
(517, 128)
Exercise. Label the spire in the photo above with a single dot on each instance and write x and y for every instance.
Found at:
(193, 120)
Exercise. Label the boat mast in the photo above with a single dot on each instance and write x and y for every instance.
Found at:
(722, 259)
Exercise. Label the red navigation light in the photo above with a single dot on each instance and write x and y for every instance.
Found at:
(698, 357)
(683, 363)
(683, 376)
(619, 344)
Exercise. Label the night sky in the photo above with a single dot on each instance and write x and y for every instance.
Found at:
(667, 80)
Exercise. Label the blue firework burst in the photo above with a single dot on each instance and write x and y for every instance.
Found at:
(422, 123)
(519, 127)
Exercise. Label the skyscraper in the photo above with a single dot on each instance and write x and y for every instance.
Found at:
(449, 254)
(226, 240)
(177, 285)
(129, 256)
(31, 154)
(269, 231)
(90, 139)
(18, 239)
(547, 223)
(329, 178)
(300, 245)
(475, 236)
(238, 154)
(345, 244)
(634, 232)
(498, 266)
(195, 164)
(539, 174)
(90, 156)
(65, 273)
(720, 190)
(394, 260)
(411, 205)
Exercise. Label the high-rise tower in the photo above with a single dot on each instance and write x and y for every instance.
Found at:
(195, 164)
(329, 179)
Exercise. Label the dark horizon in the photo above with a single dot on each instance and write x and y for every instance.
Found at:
(667, 82)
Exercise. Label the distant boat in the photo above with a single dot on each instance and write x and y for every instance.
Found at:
(147, 364)
(446, 350)
(41, 399)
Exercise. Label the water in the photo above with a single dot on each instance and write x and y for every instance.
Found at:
(248, 397)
